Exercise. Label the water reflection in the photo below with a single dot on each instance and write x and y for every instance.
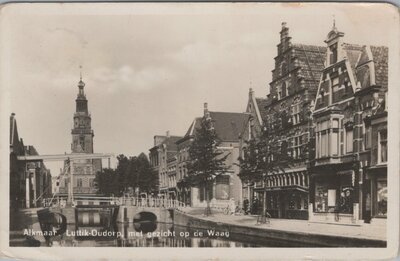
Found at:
(99, 229)
(146, 234)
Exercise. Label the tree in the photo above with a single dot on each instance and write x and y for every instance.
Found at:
(133, 172)
(268, 154)
(107, 182)
(147, 178)
(206, 161)
(122, 172)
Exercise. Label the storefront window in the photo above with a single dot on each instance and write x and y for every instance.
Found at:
(298, 199)
(321, 198)
(222, 187)
(346, 200)
(381, 193)
(292, 201)
(334, 194)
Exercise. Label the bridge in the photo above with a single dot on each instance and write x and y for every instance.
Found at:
(130, 209)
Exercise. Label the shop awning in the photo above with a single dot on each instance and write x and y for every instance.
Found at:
(285, 188)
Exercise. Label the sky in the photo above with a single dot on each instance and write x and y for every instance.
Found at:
(149, 68)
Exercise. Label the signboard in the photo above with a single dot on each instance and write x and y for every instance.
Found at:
(331, 197)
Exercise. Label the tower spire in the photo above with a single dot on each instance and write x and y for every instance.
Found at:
(80, 72)
(334, 22)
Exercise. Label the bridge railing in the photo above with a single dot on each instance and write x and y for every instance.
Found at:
(124, 201)
(60, 201)
(151, 202)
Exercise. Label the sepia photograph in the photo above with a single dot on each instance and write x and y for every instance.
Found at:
(264, 128)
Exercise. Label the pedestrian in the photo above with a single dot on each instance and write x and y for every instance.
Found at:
(246, 206)
(232, 206)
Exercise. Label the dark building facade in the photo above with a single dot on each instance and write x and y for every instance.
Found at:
(30, 181)
(293, 88)
(349, 181)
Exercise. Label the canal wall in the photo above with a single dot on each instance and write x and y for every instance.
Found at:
(126, 214)
(280, 237)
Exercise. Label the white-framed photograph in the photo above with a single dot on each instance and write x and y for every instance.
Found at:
(228, 131)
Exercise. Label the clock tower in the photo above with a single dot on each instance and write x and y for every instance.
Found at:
(83, 171)
(82, 133)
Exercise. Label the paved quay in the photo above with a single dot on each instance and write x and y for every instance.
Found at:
(25, 220)
(364, 231)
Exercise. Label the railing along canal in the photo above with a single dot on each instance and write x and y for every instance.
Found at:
(120, 201)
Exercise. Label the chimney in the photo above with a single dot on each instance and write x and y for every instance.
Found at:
(167, 134)
(205, 109)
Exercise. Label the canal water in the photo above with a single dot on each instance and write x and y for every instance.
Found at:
(153, 234)
(97, 227)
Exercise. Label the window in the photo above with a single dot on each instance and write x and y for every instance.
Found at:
(333, 53)
(334, 194)
(367, 135)
(222, 187)
(296, 108)
(279, 92)
(382, 146)
(82, 142)
(335, 137)
(327, 138)
(349, 139)
(335, 89)
(381, 194)
(284, 90)
(79, 183)
(297, 144)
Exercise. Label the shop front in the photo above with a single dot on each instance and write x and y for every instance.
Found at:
(375, 196)
(334, 197)
(288, 202)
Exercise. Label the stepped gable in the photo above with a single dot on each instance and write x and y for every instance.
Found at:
(311, 59)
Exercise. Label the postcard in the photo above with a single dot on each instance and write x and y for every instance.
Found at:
(229, 131)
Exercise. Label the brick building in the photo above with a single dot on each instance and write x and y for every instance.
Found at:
(349, 179)
(162, 160)
(293, 88)
(226, 186)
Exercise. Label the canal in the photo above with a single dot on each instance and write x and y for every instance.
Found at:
(153, 234)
